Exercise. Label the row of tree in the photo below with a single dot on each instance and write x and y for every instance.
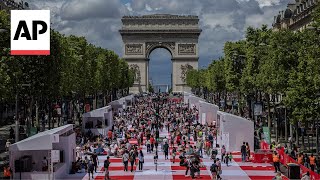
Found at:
(265, 64)
(75, 71)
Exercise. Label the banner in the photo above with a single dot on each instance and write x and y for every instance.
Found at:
(266, 132)
(55, 156)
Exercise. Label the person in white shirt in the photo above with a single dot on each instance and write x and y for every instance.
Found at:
(8, 143)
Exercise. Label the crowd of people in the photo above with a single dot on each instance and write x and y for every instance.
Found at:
(141, 124)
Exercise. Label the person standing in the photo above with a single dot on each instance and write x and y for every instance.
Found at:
(276, 162)
(214, 169)
(8, 143)
(148, 146)
(226, 160)
(132, 159)
(174, 151)
(223, 153)
(125, 159)
(90, 168)
(166, 150)
(312, 160)
(95, 161)
(106, 168)
(243, 152)
(141, 160)
(152, 141)
(247, 151)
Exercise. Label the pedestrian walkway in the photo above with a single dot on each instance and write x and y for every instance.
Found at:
(167, 170)
(239, 170)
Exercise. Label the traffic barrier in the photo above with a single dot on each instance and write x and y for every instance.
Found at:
(285, 159)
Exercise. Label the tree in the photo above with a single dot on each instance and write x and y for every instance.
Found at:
(151, 90)
(215, 79)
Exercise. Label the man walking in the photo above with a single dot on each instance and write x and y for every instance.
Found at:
(125, 159)
(106, 168)
(95, 161)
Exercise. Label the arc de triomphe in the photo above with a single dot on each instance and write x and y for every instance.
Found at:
(178, 34)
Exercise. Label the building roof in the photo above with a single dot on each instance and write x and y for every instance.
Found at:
(40, 141)
(97, 112)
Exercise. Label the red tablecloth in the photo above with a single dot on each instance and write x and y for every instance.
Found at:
(262, 158)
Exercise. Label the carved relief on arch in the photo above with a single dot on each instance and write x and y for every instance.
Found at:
(184, 70)
(133, 49)
(171, 46)
(187, 49)
(136, 70)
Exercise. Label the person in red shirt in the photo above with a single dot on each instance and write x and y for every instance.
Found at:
(152, 141)
(110, 135)
(178, 139)
(208, 146)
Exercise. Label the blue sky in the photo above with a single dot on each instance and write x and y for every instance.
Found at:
(220, 20)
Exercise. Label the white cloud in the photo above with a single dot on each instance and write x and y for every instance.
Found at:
(128, 5)
(148, 8)
(263, 3)
(221, 20)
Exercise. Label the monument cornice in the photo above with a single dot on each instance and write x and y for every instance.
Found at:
(128, 31)
(161, 16)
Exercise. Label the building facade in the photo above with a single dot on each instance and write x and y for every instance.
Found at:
(11, 5)
(297, 16)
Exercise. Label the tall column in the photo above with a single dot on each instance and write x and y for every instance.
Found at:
(179, 73)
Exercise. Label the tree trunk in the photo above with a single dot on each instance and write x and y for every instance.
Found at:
(50, 114)
(285, 125)
(297, 135)
(268, 105)
(225, 101)
(37, 115)
(274, 117)
(239, 100)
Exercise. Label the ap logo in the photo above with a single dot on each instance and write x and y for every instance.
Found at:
(30, 32)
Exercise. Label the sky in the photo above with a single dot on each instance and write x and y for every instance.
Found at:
(220, 21)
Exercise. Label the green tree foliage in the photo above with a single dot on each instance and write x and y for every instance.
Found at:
(269, 63)
(75, 69)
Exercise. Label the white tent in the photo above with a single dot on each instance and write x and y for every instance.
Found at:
(194, 101)
(186, 97)
(57, 145)
(233, 131)
(40, 141)
(99, 121)
(207, 113)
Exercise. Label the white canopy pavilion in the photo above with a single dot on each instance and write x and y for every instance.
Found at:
(58, 145)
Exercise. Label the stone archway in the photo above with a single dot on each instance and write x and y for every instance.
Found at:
(178, 34)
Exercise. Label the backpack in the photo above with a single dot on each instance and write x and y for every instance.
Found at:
(90, 166)
(213, 168)
(106, 164)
